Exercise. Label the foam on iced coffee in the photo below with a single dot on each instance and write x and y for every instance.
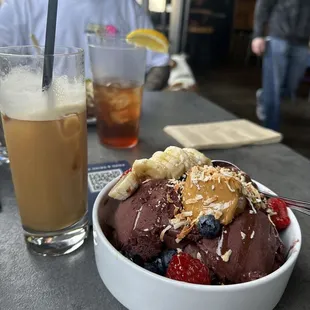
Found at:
(21, 97)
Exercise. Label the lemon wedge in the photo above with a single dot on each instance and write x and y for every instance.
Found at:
(150, 39)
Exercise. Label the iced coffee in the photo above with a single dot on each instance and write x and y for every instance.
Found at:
(118, 106)
(4, 159)
(46, 139)
(48, 162)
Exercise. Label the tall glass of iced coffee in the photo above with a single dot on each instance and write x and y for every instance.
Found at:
(118, 70)
(46, 139)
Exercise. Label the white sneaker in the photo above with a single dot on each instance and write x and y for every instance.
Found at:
(260, 112)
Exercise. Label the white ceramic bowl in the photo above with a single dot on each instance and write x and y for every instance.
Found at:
(139, 289)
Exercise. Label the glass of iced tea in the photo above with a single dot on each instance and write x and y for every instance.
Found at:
(46, 137)
(118, 70)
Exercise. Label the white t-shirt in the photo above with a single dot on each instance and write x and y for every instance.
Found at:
(19, 19)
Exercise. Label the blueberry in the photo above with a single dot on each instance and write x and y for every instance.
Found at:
(155, 266)
(183, 177)
(160, 264)
(166, 257)
(151, 267)
(208, 226)
(134, 258)
(138, 260)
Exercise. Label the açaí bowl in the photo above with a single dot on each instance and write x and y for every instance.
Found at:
(139, 289)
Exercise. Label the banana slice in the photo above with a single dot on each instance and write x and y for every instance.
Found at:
(170, 164)
(164, 159)
(149, 169)
(173, 167)
(199, 158)
(178, 159)
(125, 187)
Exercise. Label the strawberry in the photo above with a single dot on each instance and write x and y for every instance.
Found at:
(281, 219)
(184, 267)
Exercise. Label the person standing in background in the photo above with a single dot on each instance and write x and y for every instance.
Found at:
(19, 19)
(285, 52)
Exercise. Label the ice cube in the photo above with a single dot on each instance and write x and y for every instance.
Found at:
(70, 125)
(120, 117)
(120, 102)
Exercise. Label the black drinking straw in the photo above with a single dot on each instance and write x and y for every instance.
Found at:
(49, 44)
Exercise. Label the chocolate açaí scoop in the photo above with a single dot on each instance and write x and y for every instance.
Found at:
(247, 249)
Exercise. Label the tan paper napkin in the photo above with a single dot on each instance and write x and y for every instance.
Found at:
(220, 135)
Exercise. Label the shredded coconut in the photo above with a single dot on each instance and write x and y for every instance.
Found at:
(187, 213)
(162, 234)
(229, 187)
(226, 256)
(191, 201)
(269, 217)
(137, 218)
(169, 199)
(210, 200)
(199, 197)
(252, 206)
(271, 212)
(180, 224)
(219, 246)
(253, 234)
(170, 185)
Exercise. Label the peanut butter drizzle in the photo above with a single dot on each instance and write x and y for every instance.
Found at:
(209, 192)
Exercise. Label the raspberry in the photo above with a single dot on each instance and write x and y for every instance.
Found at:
(185, 268)
(127, 171)
(281, 219)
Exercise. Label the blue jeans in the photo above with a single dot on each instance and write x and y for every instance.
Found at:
(284, 66)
